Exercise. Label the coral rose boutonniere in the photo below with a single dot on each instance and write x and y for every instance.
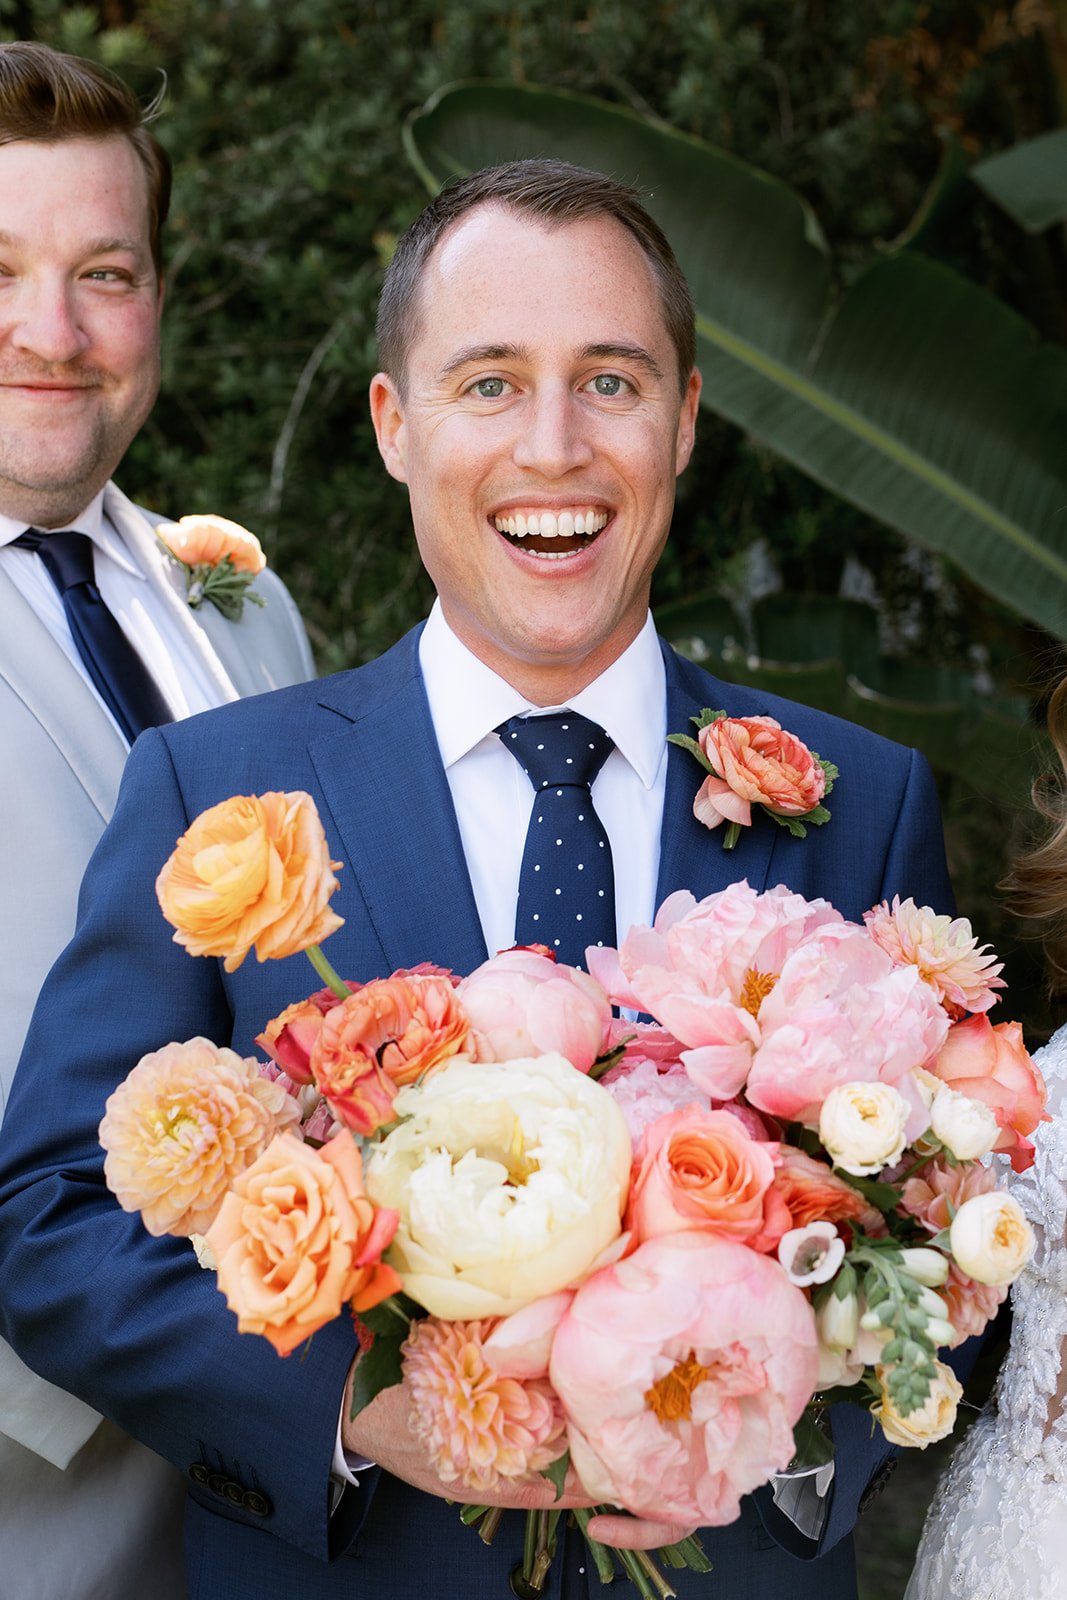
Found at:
(755, 761)
(220, 559)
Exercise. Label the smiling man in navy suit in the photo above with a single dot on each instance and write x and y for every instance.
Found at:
(538, 398)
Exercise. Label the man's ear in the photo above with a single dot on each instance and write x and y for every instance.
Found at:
(387, 414)
(687, 422)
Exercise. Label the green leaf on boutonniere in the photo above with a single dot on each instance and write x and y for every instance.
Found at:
(707, 717)
(223, 585)
(686, 743)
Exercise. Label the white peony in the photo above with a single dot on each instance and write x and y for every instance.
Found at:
(862, 1126)
(510, 1179)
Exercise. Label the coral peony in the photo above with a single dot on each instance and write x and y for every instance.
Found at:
(251, 871)
(510, 1179)
(296, 1239)
(206, 540)
(963, 974)
(992, 1064)
(182, 1126)
(691, 1401)
(479, 1428)
(385, 1035)
(758, 763)
(520, 1003)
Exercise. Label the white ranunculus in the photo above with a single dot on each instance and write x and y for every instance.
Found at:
(966, 1127)
(510, 1179)
(990, 1238)
(862, 1126)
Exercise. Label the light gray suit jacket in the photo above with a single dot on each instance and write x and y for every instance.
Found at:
(97, 1513)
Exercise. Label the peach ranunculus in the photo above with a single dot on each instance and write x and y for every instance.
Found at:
(699, 1171)
(479, 1427)
(520, 1004)
(933, 1198)
(254, 870)
(185, 1123)
(813, 1192)
(756, 762)
(384, 1036)
(964, 974)
(206, 540)
(691, 1401)
(297, 1239)
(288, 1038)
(993, 1065)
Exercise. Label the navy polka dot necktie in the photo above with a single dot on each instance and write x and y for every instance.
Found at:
(566, 884)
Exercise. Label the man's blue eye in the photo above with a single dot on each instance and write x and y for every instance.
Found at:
(608, 383)
(490, 388)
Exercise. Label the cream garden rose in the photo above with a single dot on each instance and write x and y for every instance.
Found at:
(966, 1127)
(510, 1179)
(990, 1237)
(863, 1126)
(931, 1421)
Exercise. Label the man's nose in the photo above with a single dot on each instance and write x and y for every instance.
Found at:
(553, 439)
(44, 321)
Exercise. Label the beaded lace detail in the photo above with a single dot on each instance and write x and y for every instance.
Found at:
(997, 1529)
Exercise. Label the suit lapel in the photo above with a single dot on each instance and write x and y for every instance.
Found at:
(52, 689)
(691, 855)
(392, 812)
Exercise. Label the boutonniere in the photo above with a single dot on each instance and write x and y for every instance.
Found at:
(754, 761)
(220, 559)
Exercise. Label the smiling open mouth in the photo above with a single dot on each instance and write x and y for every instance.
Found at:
(552, 534)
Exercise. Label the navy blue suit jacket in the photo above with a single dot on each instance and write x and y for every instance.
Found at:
(129, 1322)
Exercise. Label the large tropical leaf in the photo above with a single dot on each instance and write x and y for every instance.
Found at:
(916, 395)
(1029, 181)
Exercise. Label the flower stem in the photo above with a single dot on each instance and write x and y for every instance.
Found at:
(733, 833)
(599, 1553)
(326, 972)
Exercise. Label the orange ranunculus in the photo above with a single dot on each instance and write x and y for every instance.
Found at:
(387, 1034)
(253, 870)
(207, 540)
(814, 1193)
(991, 1064)
(186, 1121)
(701, 1171)
(758, 763)
(297, 1238)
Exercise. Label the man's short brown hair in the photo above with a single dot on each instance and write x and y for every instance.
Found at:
(556, 193)
(47, 96)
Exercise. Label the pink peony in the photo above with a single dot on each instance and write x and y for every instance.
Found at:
(842, 1013)
(520, 1004)
(479, 1428)
(643, 1093)
(933, 1198)
(992, 1064)
(758, 763)
(946, 952)
(682, 1370)
(643, 1041)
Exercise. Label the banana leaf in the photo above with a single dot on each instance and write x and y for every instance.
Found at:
(1029, 181)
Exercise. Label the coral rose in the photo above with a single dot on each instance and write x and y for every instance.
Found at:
(385, 1035)
(182, 1126)
(297, 1238)
(813, 1192)
(682, 1370)
(758, 763)
(697, 1171)
(993, 1065)
(963, 974)
(251, 871)
(520, 1003)
(206, 540)
(478, 1427)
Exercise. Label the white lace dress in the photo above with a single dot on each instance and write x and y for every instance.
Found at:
(997, 1529)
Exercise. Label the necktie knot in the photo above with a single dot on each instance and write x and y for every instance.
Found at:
(67, 555)
(561, 749)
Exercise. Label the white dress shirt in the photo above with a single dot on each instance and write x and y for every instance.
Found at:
(132, 601)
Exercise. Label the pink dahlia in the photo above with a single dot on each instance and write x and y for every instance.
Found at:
(963, 974)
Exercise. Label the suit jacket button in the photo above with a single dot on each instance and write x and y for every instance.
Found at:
(217, 1483)
(256, 1504)
(234, 1493)
(199, 1473)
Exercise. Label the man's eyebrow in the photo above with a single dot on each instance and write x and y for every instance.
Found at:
(110, 245)
(473, 355)
(635, 354)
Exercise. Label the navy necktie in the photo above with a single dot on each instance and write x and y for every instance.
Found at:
(117, 671)
(566, 884)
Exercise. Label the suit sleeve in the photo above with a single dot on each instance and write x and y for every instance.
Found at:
(87, 1297)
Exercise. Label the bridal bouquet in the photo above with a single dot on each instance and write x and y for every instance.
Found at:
(649, 1253)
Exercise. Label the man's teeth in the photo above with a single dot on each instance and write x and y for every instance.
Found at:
(551, 524)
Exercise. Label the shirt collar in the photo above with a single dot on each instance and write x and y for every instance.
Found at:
(468, 700)
(91, 521)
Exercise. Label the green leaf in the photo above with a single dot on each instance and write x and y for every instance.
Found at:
(883, 1196)
(916, 395)
(686, 743)
(556, 1472)
(1029, 181)
(793, 824)
(813, 1447)
(378, 1368)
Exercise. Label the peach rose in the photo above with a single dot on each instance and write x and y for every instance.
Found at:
(812, 1192)
(254, 870)
(297, 1238)
(697, 1170)
(208, 540)
(758, 763)
(182, 1126)
(384, 1036)
(992, 1064)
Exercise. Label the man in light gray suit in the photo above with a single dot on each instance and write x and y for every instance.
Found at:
(85, 1512)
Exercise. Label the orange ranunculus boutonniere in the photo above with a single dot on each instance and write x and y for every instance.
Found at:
(220, 559)
(754, 761)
